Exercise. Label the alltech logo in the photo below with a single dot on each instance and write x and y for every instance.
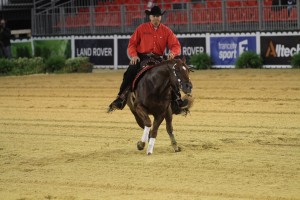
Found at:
(280, 50)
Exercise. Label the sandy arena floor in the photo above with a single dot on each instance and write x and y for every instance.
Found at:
(241, 140)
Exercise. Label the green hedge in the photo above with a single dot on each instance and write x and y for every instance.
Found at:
(295, 62)
(24, 66)
(249, 59)
(201, 61)
(55, 64)
(6, 66)
(79, 64)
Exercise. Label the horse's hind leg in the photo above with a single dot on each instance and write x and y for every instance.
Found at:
(138, 120)
(169, 127)
(130, 105)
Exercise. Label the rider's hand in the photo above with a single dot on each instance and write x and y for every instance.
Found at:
(171, 56)
(134, 60)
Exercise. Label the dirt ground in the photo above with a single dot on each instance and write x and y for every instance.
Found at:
(240, 141)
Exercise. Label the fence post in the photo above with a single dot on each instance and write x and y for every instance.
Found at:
(73, 46)
(115, 52)
(258, 47)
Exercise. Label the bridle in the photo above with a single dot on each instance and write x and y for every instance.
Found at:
(175, 74)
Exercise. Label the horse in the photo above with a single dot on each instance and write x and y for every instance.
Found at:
(153, 96)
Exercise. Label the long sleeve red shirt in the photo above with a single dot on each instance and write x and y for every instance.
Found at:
(147, 39)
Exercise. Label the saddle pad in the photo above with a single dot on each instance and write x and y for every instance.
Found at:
(140, 74)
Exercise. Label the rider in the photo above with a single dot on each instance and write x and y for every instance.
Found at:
(149, 40)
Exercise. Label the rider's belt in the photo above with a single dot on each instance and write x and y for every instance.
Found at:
(151, 55)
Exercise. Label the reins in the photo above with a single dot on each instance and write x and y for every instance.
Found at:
(175, 87)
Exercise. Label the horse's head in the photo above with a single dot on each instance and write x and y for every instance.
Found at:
(181, 72)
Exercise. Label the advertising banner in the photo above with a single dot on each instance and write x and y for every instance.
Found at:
(225, 50)
(189, 47)
(278, 50)
(192, 46)
(123, 58)
(100, 51)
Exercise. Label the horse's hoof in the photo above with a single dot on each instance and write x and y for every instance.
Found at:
(178, 149)
(140, 145)
(149, 154)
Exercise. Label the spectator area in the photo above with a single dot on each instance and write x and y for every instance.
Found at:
(108, 13)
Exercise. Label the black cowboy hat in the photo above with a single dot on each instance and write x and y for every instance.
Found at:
(155, 10)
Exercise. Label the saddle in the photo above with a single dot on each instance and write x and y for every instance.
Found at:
(146, 64)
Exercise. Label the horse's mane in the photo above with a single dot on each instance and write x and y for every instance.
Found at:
(166, 62)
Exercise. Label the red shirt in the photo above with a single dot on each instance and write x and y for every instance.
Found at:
(147, 39)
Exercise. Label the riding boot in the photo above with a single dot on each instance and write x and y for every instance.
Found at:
(120, 102)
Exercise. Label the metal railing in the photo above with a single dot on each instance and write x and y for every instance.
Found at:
(98, 17)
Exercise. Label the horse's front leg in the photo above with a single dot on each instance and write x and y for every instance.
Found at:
(143, 116)
(169, 127)
(157, 121)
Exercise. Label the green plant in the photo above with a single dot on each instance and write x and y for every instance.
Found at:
(20, 66)
(78, 64)
(249, 59)
(295, 62)
(201, 61)
(36, 64)
(55, 64)
(5, 66)
(24, 66)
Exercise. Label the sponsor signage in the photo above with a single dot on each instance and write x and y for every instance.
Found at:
(225, 50)
(123, 57)
(189, 47)
(100, 51)
(278, 50)
(192, 46)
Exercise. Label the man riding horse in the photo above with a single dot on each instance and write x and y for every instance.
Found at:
(149, 41)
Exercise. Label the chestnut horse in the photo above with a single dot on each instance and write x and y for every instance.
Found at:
(153, 96)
